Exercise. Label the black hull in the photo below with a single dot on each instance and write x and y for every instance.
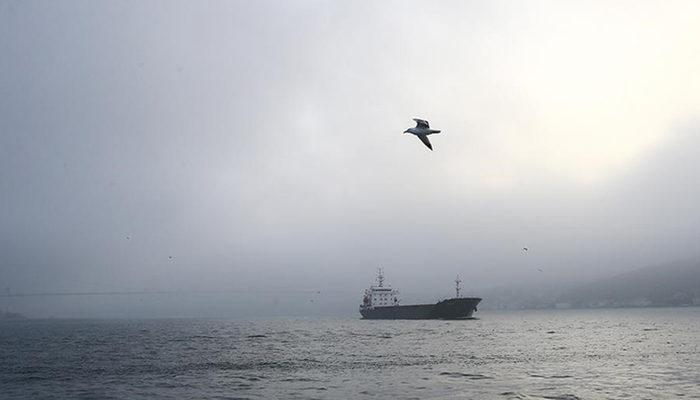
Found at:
(457, 308)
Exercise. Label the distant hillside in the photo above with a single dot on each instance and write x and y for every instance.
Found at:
(672, 284)
(10, 316)
(521, 297)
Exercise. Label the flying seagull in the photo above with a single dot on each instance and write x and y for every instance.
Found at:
(422, 130)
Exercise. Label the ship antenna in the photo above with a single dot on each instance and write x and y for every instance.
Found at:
(457, 282)
(380, 277)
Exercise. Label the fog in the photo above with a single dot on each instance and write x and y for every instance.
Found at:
(248, 157)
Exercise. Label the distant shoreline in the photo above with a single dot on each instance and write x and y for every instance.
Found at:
(342, 317)
(590, 308)
(10, 316)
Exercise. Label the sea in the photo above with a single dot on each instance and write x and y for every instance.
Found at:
(650, 353)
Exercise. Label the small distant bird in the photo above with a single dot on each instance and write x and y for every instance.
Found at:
(525, 249)
(422, 130)
(170, 257)
(539, 269)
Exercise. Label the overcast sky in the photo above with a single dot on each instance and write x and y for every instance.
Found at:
(252, 145)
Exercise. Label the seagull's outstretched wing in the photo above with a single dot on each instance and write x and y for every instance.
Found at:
(421, 123)
(424, 139)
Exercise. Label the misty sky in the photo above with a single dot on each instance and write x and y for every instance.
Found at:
(231, 145)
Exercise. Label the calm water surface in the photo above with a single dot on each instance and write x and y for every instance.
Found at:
(587, 354)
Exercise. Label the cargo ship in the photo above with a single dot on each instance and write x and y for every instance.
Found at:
(382, 302)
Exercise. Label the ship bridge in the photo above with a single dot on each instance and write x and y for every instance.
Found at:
(380, 295)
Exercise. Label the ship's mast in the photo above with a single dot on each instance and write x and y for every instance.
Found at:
(457, 282)
(380, 277)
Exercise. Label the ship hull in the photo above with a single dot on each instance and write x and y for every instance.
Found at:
(457, 308)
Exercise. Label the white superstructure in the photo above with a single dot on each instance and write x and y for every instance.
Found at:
(380, 295)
